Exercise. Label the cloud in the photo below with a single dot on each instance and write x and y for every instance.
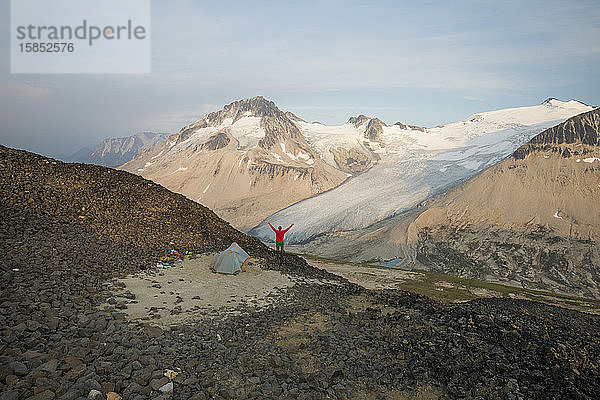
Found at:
(23, 91)
(473, 98)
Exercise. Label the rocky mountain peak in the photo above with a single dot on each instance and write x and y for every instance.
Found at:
(550, 100)
(112, 152)
(254, 107)
(358, 121)
(554, 102)
(374, 129)
(410, 127)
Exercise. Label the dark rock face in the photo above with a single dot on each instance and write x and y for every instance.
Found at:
(581, 129)
(374, 130)
(277, 129)
(351, 160)
(358, 121)
(216, 141)
(293, 117)
(536, 260)
(410, 127)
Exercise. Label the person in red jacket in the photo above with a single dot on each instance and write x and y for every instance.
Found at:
(279, 233)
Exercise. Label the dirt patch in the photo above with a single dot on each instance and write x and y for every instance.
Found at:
(367, 276)
(191, 290)
(363, 302)
(483, 292)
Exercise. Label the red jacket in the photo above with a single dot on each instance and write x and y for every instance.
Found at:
(279, 233)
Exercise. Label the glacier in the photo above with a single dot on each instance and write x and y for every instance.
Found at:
(412, 166)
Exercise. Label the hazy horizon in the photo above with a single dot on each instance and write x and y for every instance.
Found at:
(424, 64)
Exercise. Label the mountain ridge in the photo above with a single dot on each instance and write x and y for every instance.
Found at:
(403, 166)
(115, 151)
(532, 220)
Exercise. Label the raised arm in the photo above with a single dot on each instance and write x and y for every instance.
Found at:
(271, 226)
(288, 228)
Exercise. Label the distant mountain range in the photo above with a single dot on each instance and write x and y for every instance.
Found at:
(250, 161)
(405, 166)
(531, 220)
(113, 152)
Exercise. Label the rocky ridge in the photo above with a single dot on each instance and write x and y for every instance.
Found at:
(564, 139)
(113, 152)
(410, 127)
(374, 130)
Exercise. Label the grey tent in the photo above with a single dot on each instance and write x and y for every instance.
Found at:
(231, 260)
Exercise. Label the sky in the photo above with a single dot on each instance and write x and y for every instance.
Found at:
(419, 62)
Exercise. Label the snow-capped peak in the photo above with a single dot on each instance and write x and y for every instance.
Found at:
(554, 102)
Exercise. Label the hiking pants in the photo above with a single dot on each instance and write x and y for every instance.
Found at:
(279, 247)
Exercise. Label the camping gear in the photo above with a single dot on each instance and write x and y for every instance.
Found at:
(169, 261)
(231, 260)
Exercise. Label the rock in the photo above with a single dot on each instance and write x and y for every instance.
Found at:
(143, 378)
(108, 387)
(73, 361)
(76, 372)
(132, 388)
(166, 388)
(49, 366)
(32, 325)
(45, 395)
(5, 370)
(191, 381)
(93, 384)
(157, 374)
(95, 395)
(136, 365)
(53, 323)
(170, 374)
(158, 383)
(19, 369)
(9, 395)
(112, 396)
(153, 331)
